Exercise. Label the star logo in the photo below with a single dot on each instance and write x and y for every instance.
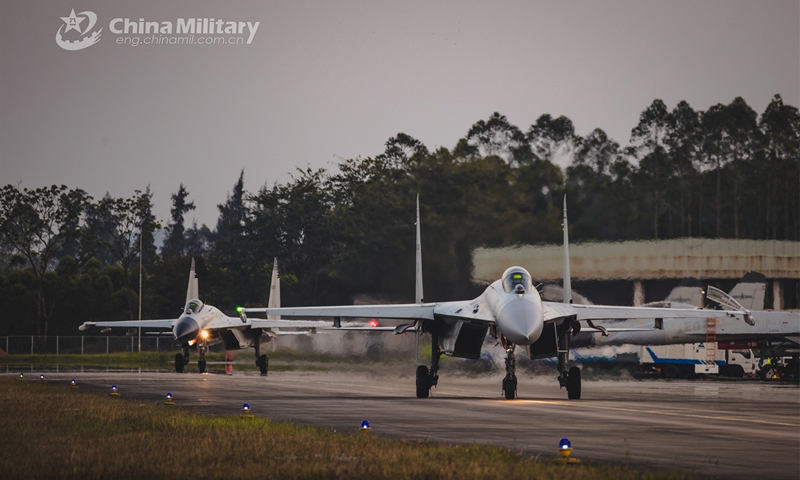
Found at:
(73, 22)
(84, 38)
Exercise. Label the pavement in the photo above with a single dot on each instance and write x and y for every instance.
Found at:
(735, 429)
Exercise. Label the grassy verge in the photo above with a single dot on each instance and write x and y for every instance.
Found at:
(52, 431)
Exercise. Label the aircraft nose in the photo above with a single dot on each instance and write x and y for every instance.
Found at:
(186, 329)
(520, 321)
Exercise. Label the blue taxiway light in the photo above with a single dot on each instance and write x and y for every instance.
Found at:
(365, 425)
(564, 444)
(245, 407)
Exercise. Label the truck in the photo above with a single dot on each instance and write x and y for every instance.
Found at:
(729, 359)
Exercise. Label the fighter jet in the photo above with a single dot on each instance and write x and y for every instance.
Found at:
(201, 325)
(778, 332)
(510, 310)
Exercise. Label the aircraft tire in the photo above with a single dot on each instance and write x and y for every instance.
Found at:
(510, 389)
(574, 383)
(201, 365)
(423, 382)
(263, 365)
(179, 363)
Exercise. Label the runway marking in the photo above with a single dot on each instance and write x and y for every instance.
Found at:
(656, 412)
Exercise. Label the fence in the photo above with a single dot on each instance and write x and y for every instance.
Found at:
(85, 344)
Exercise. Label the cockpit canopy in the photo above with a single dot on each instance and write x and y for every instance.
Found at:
(193, 306)
(518, 280)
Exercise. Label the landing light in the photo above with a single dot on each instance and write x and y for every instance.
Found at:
(373, 323)
(204, 334)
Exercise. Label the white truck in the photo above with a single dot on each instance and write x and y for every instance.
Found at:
(729, 359)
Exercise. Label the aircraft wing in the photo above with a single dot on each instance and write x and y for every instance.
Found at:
(468, 311)
(165, 323)
(555, 311)
(395, 312)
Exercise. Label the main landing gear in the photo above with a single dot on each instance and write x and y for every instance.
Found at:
(182, 359)
(429, 378)
(262, 362)
(571, 380)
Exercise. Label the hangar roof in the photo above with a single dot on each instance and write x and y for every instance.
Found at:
(658, 259)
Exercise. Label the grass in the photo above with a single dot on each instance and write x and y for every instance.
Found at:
(52, 431)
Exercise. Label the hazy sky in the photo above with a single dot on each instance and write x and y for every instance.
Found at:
(327, 80)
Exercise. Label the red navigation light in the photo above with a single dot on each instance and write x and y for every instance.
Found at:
(373, 323)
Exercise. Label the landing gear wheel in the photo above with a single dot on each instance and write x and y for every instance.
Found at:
(201, 365)
(510, 388)
(263, 364)
(179, 363)
(574, 383)
(423, 382)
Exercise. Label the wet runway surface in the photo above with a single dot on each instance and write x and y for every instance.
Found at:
(725, 429)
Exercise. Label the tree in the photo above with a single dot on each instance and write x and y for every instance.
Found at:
(36, 224)
(731, 135)
(175, 243)
(780, 125)
(497, 136)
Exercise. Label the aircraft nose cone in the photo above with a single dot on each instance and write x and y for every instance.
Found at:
(186, 329)
(520, 321)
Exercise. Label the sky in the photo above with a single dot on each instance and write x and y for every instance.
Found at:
(323, 81)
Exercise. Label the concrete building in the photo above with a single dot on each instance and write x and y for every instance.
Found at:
(635, 272)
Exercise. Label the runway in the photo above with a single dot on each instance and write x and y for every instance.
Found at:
(725, 429)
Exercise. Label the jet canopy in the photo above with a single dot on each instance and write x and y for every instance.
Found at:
(193, 306)
(518, 280)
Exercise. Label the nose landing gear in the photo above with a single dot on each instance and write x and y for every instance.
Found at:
(510, 381)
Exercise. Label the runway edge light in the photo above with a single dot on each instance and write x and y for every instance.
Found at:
(565, 449)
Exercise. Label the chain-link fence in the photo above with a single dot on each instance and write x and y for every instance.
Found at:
(85, 344)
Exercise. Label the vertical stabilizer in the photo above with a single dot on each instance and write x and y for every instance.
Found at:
(419, 297)
(688, 291)
(567, 281)
(192, 291)
(750, 291)
(274, 290)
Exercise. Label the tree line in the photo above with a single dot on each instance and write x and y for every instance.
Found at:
(726, 172)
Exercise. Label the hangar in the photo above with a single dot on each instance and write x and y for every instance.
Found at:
(635, 272)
